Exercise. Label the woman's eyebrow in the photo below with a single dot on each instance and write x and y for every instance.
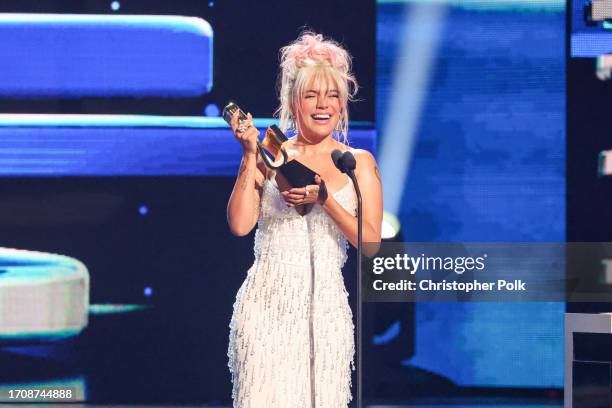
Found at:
(315, 91)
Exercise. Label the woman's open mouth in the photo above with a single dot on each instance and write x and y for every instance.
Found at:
(321, 119)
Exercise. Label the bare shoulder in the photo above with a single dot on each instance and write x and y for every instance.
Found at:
(366, 164)
(363, 156)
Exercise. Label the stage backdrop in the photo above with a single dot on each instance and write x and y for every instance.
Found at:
(471, 118)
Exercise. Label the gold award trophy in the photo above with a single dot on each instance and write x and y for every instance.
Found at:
(272, 140)
(296, 174)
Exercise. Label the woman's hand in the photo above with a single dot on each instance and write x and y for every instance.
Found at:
(246, 134)
(312, 193)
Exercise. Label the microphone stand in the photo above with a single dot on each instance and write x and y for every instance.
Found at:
(346, 163)
(351, 174)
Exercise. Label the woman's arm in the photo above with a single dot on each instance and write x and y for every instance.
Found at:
(243, 204)
(370, 185)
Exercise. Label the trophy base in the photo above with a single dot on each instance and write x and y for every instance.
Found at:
(296, 174)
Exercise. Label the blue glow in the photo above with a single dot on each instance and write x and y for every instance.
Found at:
(212, 110)
(591, 45)
(169, 24)
(87, 55)
(488, 165)
(115, 5)
(392, 332)
(151, 121)
(38, 336)
(148, 291)
(109, 309)
(20, 266)
(114, 145)
(143, 210)
(491, 5)
(418, 43)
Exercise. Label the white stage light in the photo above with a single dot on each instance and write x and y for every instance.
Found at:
(605, 163)
(390, 226)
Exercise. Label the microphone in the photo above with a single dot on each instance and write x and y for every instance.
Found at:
(345, 162)
(336, 156)
(349, 162)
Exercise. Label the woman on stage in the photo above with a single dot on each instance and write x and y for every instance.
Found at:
(291, 333)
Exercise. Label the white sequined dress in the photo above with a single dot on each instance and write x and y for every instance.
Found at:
(285, 306)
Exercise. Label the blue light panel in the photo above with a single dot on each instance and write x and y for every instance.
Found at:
(60, 55)
(127, 145)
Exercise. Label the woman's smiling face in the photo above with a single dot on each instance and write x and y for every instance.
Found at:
(319, 109)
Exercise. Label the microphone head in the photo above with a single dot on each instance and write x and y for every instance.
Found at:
(336, 156)
(348, 161)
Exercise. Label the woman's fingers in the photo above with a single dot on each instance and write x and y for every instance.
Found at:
(239, 127)
(250, 134)
(244, 131)
(300, 190)
(296, 192)
(305, 191)
(287, 194)
(305, 195)
(294, 197)
(234, 121)
(297, 196)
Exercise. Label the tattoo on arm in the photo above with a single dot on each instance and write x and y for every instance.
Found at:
(242, 169)
(245, 175)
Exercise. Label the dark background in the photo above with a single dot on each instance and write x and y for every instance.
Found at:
(589, 196)
(589, 131)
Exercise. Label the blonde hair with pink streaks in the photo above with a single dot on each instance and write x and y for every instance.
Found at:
(309, 58)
